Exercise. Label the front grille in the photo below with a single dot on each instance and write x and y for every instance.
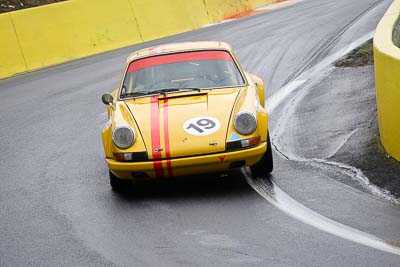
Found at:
(232, 146)
(140, 156)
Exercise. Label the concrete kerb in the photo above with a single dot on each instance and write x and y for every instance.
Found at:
(387, 69)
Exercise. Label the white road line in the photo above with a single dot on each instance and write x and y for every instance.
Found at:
(316, 72)
(358, 176)
(278, 97)
(301, 85)
(285, 203)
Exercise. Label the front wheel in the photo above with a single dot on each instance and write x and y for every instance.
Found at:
(119, 185)
(266, 163)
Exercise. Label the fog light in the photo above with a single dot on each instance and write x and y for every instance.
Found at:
(123, 156)
(245, 143)
(133, 156)
(251, 141)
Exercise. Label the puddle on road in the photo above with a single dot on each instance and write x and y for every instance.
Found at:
(273, 194)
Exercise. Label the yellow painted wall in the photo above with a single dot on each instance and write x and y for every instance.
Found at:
(39, 37)
(162, 18)
(250, 4)
(220, 9)
(74, 29)
(11, 58)
(387, 76)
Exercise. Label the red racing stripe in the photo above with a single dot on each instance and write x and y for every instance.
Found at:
(166, 138)
(178, 57)
(155, 137)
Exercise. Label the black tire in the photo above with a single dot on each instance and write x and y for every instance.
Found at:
(119, 185)
(266, 163)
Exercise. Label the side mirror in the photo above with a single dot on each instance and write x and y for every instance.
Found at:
(258, 82)
(107, 99)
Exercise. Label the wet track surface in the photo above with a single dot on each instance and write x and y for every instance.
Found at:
(56, 206)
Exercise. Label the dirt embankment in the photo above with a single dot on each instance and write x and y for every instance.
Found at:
(363, 149)
(12, 5)
(396, 33)
(361, 56)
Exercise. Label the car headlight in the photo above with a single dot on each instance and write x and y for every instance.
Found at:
(245, 122)
(123, 136)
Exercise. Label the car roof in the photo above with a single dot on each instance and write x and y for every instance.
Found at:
(179, 47)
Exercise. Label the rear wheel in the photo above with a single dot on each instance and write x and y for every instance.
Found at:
(119, 185)
(266, 163)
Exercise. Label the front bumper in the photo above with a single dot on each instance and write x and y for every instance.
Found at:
(188, 165)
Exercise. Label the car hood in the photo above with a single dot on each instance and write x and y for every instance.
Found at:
(184, 124)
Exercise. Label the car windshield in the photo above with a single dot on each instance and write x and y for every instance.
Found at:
(181, 71)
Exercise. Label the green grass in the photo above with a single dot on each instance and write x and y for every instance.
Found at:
(362, 56)
(12, 5)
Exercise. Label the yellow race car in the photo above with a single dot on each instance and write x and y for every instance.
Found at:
(182, 109)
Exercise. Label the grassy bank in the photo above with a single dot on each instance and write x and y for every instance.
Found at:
(362, 56)
(12, 5)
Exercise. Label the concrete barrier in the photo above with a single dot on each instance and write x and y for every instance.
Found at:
(11, 57)
(73, 29)
(166, 17)
(222, 9)
(39, 37)
(250, 4)
(387, 76)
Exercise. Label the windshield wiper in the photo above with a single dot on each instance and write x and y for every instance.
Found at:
(133, 94)
(159, 92)
(173, 90)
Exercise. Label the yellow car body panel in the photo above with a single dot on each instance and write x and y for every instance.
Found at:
(174, 110)
(160, 123)
(190, 165)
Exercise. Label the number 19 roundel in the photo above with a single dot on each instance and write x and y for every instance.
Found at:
(201, 126)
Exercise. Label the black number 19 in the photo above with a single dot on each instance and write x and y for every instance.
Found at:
(201, 125)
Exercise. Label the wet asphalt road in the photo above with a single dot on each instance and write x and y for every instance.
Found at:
(56, 207)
